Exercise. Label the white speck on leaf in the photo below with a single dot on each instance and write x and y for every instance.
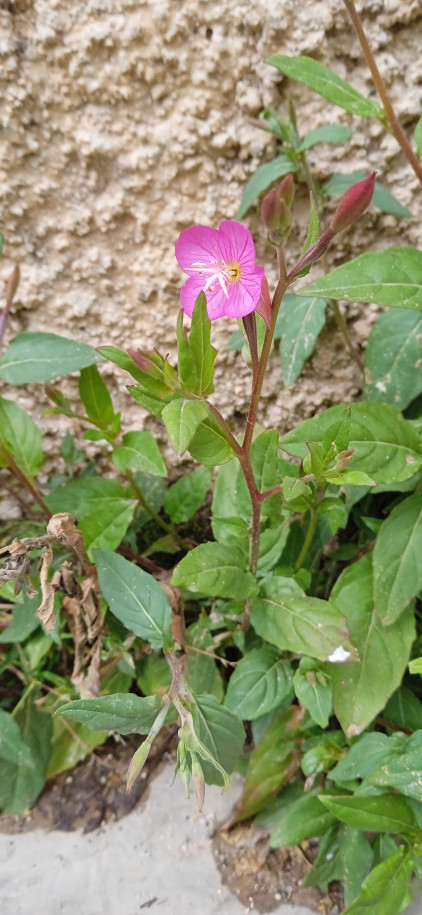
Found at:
(339, 655)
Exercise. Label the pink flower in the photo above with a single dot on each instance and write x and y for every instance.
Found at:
(221, 263)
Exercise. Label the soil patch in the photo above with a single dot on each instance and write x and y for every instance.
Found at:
(263, 878)
(94, 792)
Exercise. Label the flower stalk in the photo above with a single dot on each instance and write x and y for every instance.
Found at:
(393, 121)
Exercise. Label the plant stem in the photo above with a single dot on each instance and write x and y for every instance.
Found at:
(11, 288)
(169, 528)
(308, 539)
(342, 326)
(263, 362)
(24, 480)
(258, 381)
(391, 116)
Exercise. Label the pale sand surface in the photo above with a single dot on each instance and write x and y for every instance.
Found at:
(158, 860)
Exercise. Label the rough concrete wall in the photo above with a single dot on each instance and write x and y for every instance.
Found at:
(125, 121)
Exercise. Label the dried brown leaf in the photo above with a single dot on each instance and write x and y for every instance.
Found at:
(45, 611)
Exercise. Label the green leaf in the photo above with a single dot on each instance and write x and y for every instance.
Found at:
(393, 357)
(356, 856)
(349, 478)
(273, 763)
(166, 544)
(264, 176)
(232, 532)
(181, 419)
(202, 673)
(231, 496)
(380, 813)
(24, 621)
(196, 356)
(68, 747)
(154, 490)
(186, 495)
(32, 357)
(313, 231)
(339, 432)
(385, 445)
(92, 494)
(95, 397)
(105, 530)
(139, 451)
(403, 771)
(360, 691)
(20, 783)
(391, 277)
(121, 712)
(213, 569)
(386, 889)
(306, 819)
(222, 732)
(209, 445)
(295, 489)
(330, 133)
(397, 559)
(304, 625)
(138, 601)
(404, 709)
(13, 748)
(154, 675)
(322, 80)
(20, 437)
(312, 685)
(261, 680)
(386, 202)
(299, 322)
(366, 753)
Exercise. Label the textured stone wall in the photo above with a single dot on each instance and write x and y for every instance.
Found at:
(125, 121)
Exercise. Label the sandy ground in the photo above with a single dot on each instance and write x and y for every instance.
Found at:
(156, 859)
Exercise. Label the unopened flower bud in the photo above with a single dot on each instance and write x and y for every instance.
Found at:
(146, 361)
(313, 253)
(344, 458)
(271, 210)
(353, 204)
(198, 780)
(275, 208)
(287, 189)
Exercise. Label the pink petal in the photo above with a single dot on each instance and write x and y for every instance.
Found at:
(197, 244)
(244, 296)
(217, 303)
(236, 243)
(190, 292)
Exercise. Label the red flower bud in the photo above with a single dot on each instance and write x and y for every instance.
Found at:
(353, 204)
(313, 253)
(146, 361)
(287, 190)
(271, 210)
(275, 208)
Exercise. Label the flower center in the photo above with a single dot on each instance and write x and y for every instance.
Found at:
(234, 272)
(220, 272)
